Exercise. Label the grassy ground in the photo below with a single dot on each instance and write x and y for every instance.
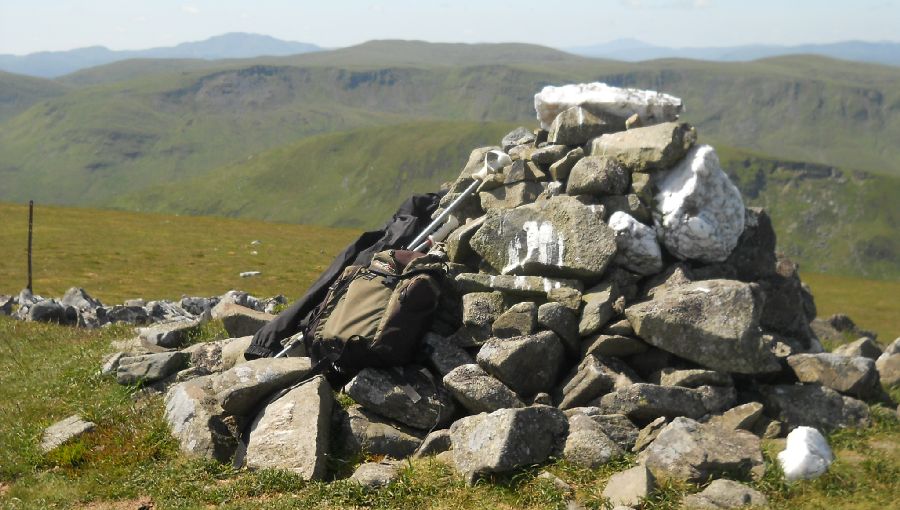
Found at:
(130, 459)
(120, 255)
(872, 304)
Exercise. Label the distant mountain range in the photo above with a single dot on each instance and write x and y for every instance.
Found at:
(633, 50)
(51, 64)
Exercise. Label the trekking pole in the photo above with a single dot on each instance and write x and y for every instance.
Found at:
(30, 228)
(296, 339)
(493, 161)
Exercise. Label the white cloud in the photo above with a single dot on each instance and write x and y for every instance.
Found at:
(190, 9)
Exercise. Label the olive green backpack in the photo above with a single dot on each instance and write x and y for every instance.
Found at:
(373, 316)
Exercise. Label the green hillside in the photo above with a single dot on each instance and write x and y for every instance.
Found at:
(355, 178)
(18, 93)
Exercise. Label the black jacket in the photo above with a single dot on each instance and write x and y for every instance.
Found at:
(409, 220)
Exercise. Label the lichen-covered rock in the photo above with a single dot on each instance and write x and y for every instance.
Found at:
(814, 406)
(199, 423)
(64, 431)
(558, 237)
(169, 335)
(405, 395)
(599, 307)
(592, 378)
(644, 402)
(520, 286)
(510, 196)
(507, 439)
(630, 487)
(721, 494)
(629, 204)
(547, 155)
(241, 320)
(434, 443)
(519, 136)
(150, 368)
(575, 126)
(700, 212)
(79, 298)
(689, 451)
(651, 106)
(478, 391)
(646, 149)
(754, 256)
(481, 309)
(597, 175)
(561, 320)
(856, 376)
(714, 323)
(520, 319)
(888, 366)
(587, 445)
(638, 249)
(527, 364)
(865, 347)
(293, 433)
(239, 389)
(444, 355)
(743, 417)
(693, 378)
(360, 431)
(559, 171)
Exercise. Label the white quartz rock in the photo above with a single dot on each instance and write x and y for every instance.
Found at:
(653, 107)
(637, 248)
(700, 213)
(806, 455)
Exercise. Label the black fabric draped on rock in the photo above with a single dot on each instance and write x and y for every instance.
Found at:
(410, 219)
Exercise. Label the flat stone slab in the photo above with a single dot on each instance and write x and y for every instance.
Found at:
(375, 475)
(405, 395)
(855, 376)
(479, 391)
(525, 286)
(241, 388)
(597, 97)
(724, 493)
(64, 431)
(150, 368)
(293, 432)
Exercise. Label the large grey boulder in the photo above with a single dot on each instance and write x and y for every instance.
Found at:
(814, 406)
(64, 431)
(597, 175)
(700, 213)
(629, 487)
(557, 237)
(587, 445)
(689, 451)
(649, 106)
(293, 432)
(638, 249)
(507, 439)
(576, 126)
(643, 402)
(646, 149)
(239, 389)
(722, 493)
(150, 368)
(856, 376)
(478, 391)
(407, 395)
(714, 323)
(199, 423)
(527, 364)
(361, 431)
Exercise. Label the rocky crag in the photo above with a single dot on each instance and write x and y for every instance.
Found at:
(612, 294)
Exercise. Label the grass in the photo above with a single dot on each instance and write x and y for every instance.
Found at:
(130, 458)
(872, 304)
(122, 255)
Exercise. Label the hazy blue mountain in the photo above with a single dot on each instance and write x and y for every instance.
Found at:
(632, 50)
(50, 64)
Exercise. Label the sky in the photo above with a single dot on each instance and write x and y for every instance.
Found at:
(28, 26)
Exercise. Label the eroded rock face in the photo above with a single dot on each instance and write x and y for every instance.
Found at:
(701, 213)
(507, 439)
(293, 432)
(693, 452)
(556, 237)
(713, 322)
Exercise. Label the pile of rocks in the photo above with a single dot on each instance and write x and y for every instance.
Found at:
(614, 295)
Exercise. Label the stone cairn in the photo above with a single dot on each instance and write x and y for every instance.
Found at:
(610, 294)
